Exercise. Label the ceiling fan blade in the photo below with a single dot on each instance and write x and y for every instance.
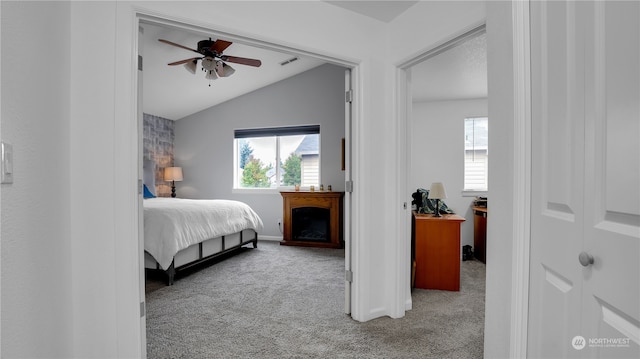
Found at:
(177, 45)
(242, 61)
(220, 45)
(183, 61)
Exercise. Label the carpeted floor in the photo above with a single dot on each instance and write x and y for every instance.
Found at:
(287, 302)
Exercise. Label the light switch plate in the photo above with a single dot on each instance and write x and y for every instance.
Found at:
(6, 164)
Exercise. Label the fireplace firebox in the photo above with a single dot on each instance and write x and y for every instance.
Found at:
(310, 224)
(312, 219)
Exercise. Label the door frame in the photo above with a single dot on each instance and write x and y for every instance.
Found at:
(404, 154)
(351, 136)
(521, 149)
(522, 164)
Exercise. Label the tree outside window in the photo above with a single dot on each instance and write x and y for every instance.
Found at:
(292, 170)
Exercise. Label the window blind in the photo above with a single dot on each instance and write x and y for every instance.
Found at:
(277, 131)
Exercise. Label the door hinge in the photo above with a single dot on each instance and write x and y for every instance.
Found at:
(142, 309)
(348, 186)
(348, 276)
(348, 96)
(139, 186)
(139, 63)
(404, 205)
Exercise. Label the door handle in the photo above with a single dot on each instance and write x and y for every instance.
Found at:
(585, 259)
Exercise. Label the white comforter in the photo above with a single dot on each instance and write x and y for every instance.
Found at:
(173, 224)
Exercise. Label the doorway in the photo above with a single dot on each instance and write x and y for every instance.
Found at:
(349, 72)
(439, 89)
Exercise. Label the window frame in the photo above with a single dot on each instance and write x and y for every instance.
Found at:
(276, 132)
(474, 192)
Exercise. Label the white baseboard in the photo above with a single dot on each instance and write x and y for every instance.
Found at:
(269, 238)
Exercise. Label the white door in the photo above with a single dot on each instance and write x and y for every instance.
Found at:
(585, 59)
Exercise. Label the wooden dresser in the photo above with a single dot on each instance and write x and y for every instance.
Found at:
(436, 251)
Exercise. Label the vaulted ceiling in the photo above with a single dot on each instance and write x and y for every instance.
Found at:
(173, 92)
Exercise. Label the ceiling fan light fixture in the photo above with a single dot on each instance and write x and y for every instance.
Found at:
(219, 65)
(213, 62)
(226, 70)
(208, 64)
(211, 75)
(191, 66)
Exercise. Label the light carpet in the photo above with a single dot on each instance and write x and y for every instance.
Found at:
(287, 302)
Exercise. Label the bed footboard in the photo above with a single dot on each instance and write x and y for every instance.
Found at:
(206, 251)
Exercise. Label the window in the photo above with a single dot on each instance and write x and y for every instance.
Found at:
(476, 153)
(295, 149)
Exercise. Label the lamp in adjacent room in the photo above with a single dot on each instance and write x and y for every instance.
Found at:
(437, 192)
(173, 174)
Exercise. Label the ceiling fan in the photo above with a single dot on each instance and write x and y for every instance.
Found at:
(213, 61)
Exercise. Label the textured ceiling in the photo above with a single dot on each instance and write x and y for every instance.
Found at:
(458, 73)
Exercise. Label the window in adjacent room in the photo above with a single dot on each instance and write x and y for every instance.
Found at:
(277, 157)
(476, 154)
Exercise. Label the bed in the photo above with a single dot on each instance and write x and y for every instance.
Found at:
(180, 233)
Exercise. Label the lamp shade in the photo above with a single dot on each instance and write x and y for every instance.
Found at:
(437, 191)
(224, 70)
(191, 66)
(211, 75)
(173, 174)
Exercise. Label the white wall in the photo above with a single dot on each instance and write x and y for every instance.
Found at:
(107, 295)
(500, 233)
(93, 144)
(431, 23)
(204, 141)
(426, 25)
(423, 28)
(315, 28)
(437, 152)
(36, 246)
(100, 133)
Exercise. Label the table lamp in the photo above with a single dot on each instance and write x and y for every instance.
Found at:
(173, 174)
(437, 192)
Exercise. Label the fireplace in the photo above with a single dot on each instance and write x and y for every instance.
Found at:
(311, 224)
(312, 219)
